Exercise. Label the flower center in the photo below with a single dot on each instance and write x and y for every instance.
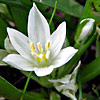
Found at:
(41, 55)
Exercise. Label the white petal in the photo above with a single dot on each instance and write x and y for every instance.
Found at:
(57, 39)
(87, 29)
(21, 43)
(74, 73)
(69, 86)
(19, 62)
(64, 56)
(69, 94)
(76, 68)
(8, 45)
(43, 71)
(38, 28)
(63, 80)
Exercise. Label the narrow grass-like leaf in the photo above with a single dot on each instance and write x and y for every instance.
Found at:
(10, 92)
(89, 97)
(20, 15)
(90, 71)
(54, 96)
(4, 10)
(97, 46)
(3, 32)
(70, 7)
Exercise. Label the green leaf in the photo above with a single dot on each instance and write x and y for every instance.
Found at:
(41, 94)
(97, 5)
(11, 2)
(3, 33)
(8, 91)
(89, 97)
(88, 10)
(95, 90)
(90, 71)
(98, 47)
(41, 80)
(4, 10)
(20, 15)
(3, 53)
(54, 96)
(70, 7)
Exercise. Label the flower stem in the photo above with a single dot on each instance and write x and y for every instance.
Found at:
(25, 87)
(80, 88)
(53, 13)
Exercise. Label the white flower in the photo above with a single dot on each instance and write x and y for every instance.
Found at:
(40, 52)
(86, 28)
(67, 85)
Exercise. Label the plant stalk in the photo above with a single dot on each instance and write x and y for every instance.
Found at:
(25, 87)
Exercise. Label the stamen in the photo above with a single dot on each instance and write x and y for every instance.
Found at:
(39, 60)
(47, 54)
(32, 47)
(35, 55)
(47, 45)
(39, 47)
(44, 57)
(41, 55)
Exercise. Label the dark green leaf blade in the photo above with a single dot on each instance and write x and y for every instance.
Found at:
(89, 97)
(90, 71)
(10, 92)
(70, 7)
(20, 15)
(3, 32)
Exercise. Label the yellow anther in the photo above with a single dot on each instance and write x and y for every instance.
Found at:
(47, 45)
(41, 56)
(39, 47)
(32, 47)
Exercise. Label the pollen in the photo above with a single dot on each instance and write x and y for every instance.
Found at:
(47, 45)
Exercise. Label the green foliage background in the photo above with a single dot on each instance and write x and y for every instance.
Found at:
(16, 11)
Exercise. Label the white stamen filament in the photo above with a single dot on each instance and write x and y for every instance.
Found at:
(35, 55)
(41, 55)
(47, 54)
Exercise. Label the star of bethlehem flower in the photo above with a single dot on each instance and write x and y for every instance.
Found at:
(67, 85)
(39, 52)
